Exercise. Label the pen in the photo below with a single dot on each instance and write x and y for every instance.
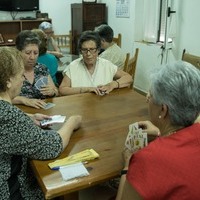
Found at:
(60, 167)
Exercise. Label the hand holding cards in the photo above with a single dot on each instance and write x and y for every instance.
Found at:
(136, 138)
(54, 119)
(41, 82)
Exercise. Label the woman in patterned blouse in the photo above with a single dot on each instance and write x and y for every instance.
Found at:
(21, 138)
(38, 83)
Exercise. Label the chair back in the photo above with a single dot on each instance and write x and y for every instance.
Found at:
(126, 62)
(64, 42)
(193, 59)
(118, 40)
(131, 66)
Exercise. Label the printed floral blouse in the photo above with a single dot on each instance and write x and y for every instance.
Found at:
(30, 90)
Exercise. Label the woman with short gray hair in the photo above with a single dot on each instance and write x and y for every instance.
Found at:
(168, 168)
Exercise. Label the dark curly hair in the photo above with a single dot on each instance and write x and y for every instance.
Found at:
(87, 36)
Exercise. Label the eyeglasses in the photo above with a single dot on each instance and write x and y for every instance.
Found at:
(91, 50)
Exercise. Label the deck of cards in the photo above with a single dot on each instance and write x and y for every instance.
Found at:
(54, 119)
(136, 138)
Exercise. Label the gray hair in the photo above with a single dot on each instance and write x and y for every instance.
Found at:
(45, 25)
(177, 85)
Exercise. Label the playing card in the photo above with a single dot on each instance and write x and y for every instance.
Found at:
(136, 138)
(53, 119)
(41, 82)
(49, 105)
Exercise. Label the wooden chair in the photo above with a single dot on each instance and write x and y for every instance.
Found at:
(64, 42)
(194, 60)
(126, 62)
(131, 66)
(118, 40)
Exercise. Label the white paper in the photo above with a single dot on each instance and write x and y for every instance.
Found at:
(76, 170)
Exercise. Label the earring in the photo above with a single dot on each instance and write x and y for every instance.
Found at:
(159, 116)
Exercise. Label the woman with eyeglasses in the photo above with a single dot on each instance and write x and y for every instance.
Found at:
(89, 73)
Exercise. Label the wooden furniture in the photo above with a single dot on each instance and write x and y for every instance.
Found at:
(193, 59)
(104, 129)
(131, 66)
(10, 29)
(118, 40)
(64, 42)
(85, 16)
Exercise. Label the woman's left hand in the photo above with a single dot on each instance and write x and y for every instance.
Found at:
(106, 89)
(48, 90)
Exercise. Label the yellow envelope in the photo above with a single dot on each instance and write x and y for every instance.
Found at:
(88, 154)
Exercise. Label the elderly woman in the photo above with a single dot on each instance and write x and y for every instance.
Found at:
(38, 83)
(21, 138)
(52, 47)
(89, 73)
(168, 168)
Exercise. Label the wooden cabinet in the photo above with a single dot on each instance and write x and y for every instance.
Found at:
(10, 29)
(85, 16)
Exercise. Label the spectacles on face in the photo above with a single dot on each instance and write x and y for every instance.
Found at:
(91, 50)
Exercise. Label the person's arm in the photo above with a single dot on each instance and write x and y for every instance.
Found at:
(121, 80)
(56, 52)
(35, 103)
(50, 89)
(125, 190)
(68, 127)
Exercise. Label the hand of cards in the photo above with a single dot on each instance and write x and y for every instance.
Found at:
(41, 82)
(136, 138)
(53, 119)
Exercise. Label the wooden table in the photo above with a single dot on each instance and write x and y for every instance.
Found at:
(104, 128)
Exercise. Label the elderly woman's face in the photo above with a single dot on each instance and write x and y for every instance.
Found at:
(30, 55)
(49, 32)
(90, 52)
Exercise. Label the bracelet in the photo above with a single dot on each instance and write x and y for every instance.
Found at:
(117, 84)
(123, 172)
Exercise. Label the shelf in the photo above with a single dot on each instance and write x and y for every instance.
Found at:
(10, 29)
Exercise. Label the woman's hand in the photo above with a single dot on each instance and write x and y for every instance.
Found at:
(126, 156)
(106, 89)
(36, 103)
(37, 118)
(49, 90)
(149, 128)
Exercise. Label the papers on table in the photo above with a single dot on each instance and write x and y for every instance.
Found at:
(73, 171)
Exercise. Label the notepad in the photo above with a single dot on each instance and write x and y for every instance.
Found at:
(73, 171)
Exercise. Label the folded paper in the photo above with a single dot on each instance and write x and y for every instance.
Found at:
(86, 155)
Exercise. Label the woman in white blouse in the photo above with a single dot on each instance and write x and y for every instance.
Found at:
(89, 73)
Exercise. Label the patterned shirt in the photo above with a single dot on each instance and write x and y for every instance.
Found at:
(28, 89)
(21, 140)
